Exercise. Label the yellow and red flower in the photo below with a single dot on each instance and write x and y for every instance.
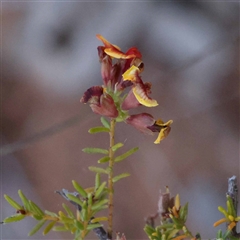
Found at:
(145, 122)
(117, 75)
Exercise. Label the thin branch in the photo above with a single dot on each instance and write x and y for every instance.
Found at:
(110, 179)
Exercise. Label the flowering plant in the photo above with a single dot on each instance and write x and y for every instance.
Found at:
(122, 90)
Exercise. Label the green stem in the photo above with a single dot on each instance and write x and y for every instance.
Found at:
(110, 179)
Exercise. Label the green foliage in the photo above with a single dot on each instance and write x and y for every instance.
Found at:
(183, 212)
(104, 159)
(68, 210)
(100, 190)
(78, 224)
(49, 227)
(230, 217)
(120, 176)
(117, 146)
(89, 201)
(95, 150)
(105, 122)
(97, 181)
(79, 189)
(24, 200)
(126, 154)
(98, 170)
(93, 200)
(99, 205)
(230, 207)
(92, 226)
(37, 227)
(98, 130)
(52, 214)
(99, 219)
(75, 199)
(60, 229)
(12, 202)
(173, 224)
(14, 218)
(35, 209)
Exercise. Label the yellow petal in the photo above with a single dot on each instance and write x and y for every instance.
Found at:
(143, 98)
(137, 62)
(106, 42)
(163, 132)
(116, 53)
(160, 122)
(130, 74)
(160, 137)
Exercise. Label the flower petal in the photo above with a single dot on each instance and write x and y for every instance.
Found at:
(116, 74)
(101, 53)
(131, 73)
(134, 51)
(141, 121)
(106, 107)
(140, 93)
(130, 101)
(106, 67)
(115, 53)
(106, 43)
(165, 130)
(92, 95)
(138, 63)
(100, 102)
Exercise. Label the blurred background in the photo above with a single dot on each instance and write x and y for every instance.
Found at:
(49, 58)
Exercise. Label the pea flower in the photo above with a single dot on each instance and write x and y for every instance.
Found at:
(100, 102)
(147, 124)
(120, 71)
